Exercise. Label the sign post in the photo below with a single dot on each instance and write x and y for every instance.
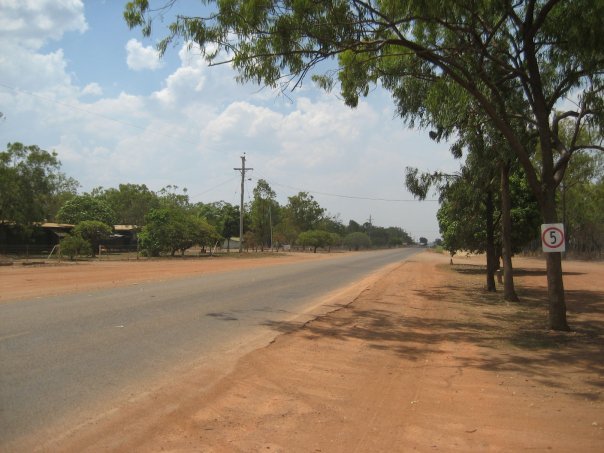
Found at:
(552, 237)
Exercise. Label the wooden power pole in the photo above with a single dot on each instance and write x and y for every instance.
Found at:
(242, 170)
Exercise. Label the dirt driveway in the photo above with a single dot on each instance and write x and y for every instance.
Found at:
(421, 360)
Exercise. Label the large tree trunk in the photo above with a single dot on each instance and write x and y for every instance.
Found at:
(490, 249)
(509, 292)
(555, 285)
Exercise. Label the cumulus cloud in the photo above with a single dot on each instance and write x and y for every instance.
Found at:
(191, 129)
(25, 26)
(32, 22)
(140, 57)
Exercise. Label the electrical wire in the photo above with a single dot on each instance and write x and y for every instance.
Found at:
(213, 188)
(350, 197)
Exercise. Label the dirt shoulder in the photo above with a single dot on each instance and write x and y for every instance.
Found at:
(21, 282)
(423, 359)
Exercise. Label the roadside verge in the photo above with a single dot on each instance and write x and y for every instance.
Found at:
(422, 360)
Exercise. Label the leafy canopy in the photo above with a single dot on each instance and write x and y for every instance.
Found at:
(538, 52)
(86, 207)
(30, 182)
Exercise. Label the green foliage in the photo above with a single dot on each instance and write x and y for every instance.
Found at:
(581, 200)
(265, 212)
(93, 232)
(336, 239)
(230, 221)
(130, 202)
(333, 224)
(461, 219)
(285, 233)
(397, 236)
(170, 198)
(169, 230)
(224, 217)
(315, 239)
(30, 184)
(86, 207)
(353, 227)
(516, 61)
(74, 246)
(356, 241)
(303, 211)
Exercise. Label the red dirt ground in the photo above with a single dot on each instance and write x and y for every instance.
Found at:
(421, 360)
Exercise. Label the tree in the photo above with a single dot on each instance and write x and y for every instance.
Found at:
(198, 232)
(539, 51)
(336, 240)
(468, 215)
(264, 213)
(303, 211)
(230, 223)
(171, 230)
(92, 231)
(315, 239)
(354, 227)
(30, 183)
(285, 232)
(379, 236)
(130, 202)
(332, 223)
(86, 207)
(170, 198)
(356, 241)
(249, 240)
(75, 245)
(397, 236)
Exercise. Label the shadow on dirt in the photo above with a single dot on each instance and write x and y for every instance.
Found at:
(478, 269)
(511, 336)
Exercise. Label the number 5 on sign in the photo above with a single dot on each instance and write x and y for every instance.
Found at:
(552, 237)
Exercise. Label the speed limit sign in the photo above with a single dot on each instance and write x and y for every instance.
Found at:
(552, 237)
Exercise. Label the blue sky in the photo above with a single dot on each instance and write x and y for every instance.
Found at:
(75, 79)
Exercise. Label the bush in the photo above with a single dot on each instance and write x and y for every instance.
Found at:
(169, 230)
(73, 246)
(93, 232)
(356, 241)
(315, 239)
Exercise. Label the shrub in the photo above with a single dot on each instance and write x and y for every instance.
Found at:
(75, 245)
(92, 231)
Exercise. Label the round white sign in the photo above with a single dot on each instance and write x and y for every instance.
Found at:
(552, 237)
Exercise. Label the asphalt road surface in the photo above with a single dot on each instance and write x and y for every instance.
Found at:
(66, 357)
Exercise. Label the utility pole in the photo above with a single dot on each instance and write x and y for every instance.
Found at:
(242, 170)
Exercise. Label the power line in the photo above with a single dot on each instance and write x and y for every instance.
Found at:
(350, 197)
(213, 188)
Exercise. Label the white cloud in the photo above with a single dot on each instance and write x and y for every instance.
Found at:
(25, 26)
(31, 70)
(92, 89)
(32, 22)
(192, 129)
(140, 57)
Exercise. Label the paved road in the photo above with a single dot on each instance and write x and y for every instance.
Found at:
(63, 355)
